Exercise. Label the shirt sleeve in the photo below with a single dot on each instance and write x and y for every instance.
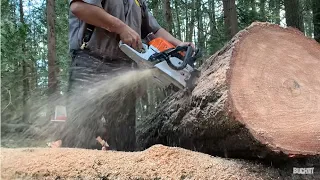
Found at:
(152, 23)
(92, 2)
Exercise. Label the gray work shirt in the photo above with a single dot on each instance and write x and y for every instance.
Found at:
(103, 42)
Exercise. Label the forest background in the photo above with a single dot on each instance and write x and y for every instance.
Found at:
(34, 42)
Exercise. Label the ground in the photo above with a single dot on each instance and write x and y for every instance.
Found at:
(157, 162)
(27, 158)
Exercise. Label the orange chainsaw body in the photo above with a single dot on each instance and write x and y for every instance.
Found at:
(161, 44)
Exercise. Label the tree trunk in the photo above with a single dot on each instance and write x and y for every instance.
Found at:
(52, 78)
(316, 19)
(25, 76)
(213, 45)
(263, 10)
(307, 17)
(277, 11)
(178, 20)
(230, 18)
(293, 15)
(253, 99)
(52, 70)
(200, 32)
(190, 22)
(167, 15)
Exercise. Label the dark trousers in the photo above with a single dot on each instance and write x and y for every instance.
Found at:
(97, 107)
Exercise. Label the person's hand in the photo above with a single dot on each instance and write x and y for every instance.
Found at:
(187, 44)
(130, 37)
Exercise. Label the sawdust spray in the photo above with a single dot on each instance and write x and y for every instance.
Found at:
(44, 130)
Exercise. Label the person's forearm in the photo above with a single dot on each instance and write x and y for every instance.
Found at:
(167, 36)
(96, 16)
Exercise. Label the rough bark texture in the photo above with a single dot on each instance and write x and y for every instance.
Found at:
(230, 18)
(157, 162)
(239, 111)
(52, 57)
(201, 31)
(178, 33)
(190, 20)
(52, 76)
(294, 16)
(168, 15)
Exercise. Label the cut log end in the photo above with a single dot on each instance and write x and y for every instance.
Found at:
(257, 97)
(275, 88)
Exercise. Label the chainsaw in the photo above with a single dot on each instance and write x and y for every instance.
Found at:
(172, 65)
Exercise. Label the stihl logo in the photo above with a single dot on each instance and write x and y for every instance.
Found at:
(303, 170)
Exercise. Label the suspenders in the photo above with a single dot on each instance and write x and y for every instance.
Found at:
(89, 31)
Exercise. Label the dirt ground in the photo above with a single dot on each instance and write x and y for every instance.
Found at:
(157, 162)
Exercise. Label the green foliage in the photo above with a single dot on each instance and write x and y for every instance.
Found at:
(199, 21)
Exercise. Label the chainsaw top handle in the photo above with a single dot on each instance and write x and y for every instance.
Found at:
(189, 57)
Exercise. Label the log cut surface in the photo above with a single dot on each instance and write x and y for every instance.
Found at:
(157, 162)
(257, 96)
(275, 88)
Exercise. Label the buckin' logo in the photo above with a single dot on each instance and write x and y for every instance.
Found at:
(303, 170)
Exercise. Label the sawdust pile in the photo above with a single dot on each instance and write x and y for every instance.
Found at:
(157, 162)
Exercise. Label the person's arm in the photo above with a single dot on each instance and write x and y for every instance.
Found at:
(174, 41)
(167, 36)
(98, 17)
(153, 27)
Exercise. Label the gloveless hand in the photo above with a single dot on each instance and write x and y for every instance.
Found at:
(187, 44)
(130, 37)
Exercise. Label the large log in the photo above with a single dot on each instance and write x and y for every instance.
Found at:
(257, 96)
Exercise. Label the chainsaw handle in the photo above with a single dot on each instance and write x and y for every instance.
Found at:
(189, 58)
(186, 60)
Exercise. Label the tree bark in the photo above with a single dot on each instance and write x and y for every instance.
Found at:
(200, 32)
(178, 20)
(190, 22)
(293, 15)
(25, 76)
(168, 15)
(213, 45)
(52, 77)
(316, 19)
(253, 99)
(230, 18)
(52, 69)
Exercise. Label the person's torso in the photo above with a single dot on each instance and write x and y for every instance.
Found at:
(103, 42)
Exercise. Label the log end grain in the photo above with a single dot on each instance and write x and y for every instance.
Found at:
(274, 88)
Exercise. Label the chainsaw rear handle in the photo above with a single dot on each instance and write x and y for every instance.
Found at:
(189, 58)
